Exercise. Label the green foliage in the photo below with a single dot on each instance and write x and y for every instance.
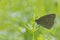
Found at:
(17, 19)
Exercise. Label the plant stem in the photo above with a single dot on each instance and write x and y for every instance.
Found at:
(33, 34)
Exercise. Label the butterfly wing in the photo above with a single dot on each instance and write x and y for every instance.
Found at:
(46, 21)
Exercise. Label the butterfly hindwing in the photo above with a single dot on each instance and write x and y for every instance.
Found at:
(46, 21)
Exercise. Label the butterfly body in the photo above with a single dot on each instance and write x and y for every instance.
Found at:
(46, 21)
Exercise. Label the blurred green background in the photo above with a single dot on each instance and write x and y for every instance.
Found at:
(17, 19)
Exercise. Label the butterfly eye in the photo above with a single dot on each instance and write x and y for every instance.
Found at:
(46, 21)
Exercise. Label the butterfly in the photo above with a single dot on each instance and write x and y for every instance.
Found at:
(46, 21)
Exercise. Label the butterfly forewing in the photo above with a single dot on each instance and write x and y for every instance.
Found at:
(46, 21)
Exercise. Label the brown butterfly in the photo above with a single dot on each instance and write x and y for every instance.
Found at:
(46, 21)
